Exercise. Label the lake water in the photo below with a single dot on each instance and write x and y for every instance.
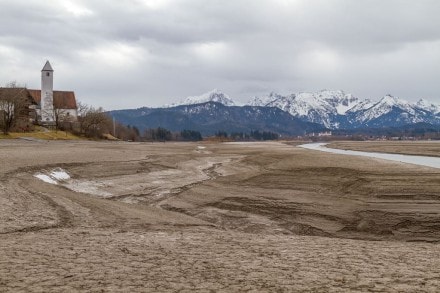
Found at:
(433, 162)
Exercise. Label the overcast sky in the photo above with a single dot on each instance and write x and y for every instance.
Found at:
(126, 54)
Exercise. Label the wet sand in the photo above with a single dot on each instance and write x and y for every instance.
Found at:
(223, 217)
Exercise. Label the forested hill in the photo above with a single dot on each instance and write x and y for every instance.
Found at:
(211, 117)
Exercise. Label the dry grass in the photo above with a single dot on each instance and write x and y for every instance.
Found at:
(45, 135)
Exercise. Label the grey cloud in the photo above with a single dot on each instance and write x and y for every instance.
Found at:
(120, 54)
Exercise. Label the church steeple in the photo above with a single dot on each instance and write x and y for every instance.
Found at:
(47, 67)
(47, 110)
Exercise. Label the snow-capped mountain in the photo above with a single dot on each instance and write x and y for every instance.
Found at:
(393, 111)
(212, 96)
(321, 107)
(428, 106)
(336, 109)
(384, 106)
(360, 106)
(211, 117)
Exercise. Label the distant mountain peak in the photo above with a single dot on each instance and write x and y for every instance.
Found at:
(392, 101)
(317, 107)
(423, 102)
(389, 99)
(428, 106)
(214, 95)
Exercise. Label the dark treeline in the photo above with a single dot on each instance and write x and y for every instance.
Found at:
(159, 134)
(253, 135)
(130, 133)
(191, 135)
(418, 130)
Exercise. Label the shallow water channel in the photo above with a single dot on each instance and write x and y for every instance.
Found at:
(433, 162)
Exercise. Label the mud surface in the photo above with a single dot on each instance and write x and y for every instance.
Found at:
(223, 217)
(421, 148)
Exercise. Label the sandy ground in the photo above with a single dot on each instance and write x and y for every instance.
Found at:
(421, 148)
(214, 217)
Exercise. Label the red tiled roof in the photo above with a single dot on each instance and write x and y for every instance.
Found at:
(61, 99)
(16, 91)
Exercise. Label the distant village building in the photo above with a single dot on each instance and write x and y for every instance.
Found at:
(320, 134)
(325, 133)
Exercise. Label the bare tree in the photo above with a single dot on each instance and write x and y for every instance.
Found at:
(13, 104)
(60, 117)
(95, 122)
(82, 110)
(130, 133)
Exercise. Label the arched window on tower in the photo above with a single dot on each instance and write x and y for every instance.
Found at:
(47, 73)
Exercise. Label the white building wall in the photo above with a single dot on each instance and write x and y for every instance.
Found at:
(47, 115)
(70, 115)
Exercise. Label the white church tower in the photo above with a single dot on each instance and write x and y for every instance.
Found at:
(47, 111)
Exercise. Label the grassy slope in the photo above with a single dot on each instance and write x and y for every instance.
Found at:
(46, 134)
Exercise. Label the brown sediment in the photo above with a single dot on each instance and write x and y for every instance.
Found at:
(231, 217)
(418, 148)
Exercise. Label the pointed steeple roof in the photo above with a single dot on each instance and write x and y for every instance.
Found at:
(47, 67)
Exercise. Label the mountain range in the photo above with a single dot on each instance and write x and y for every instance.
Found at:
(293, 114)
(211, 117)
(339, 110)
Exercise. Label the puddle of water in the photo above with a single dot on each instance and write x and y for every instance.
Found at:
(45, 178)
(90, 187)
(433, 162)
(59, 176)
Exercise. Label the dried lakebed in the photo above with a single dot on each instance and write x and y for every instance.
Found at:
(225, 217)
(139, 186)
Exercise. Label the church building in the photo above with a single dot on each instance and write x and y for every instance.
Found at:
(38, 106)
(53, 106)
